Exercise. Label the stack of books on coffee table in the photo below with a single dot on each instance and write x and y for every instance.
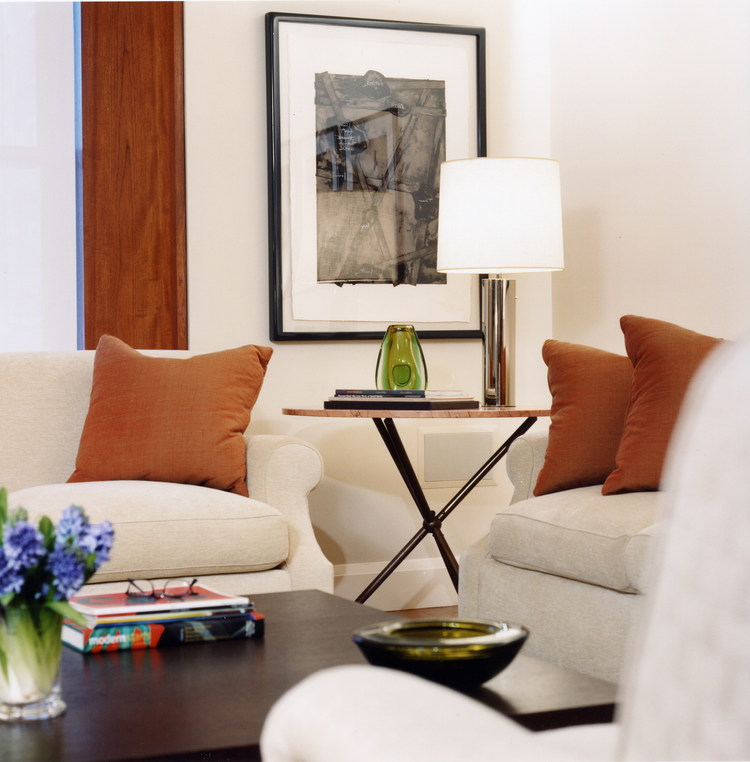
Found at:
(122, 622)
(399, 399)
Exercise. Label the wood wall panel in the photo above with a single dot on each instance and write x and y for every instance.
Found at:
(134, 173)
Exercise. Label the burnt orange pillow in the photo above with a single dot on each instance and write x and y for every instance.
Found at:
(170, 419)
(590, 390)
(665, 357)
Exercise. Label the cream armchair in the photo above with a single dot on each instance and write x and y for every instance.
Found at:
(686, 689)
(264, 543)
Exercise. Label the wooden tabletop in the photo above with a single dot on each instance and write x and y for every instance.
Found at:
(481, 412)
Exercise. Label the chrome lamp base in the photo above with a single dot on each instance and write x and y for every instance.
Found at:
(499, 328)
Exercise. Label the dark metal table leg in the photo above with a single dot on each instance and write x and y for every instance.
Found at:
(431, 521)
(491, 462)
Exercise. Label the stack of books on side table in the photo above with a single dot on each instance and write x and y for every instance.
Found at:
(399, 399)
(122, 622)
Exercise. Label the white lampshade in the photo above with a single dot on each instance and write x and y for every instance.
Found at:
(500, 216)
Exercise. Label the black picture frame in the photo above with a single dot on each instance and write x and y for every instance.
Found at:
(327, 102)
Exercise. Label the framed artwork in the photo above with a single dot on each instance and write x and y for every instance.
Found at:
(361, 114)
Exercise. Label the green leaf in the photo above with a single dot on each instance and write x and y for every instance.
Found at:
(3, 509)
(3, 648)
(64, 609)
(47, 528)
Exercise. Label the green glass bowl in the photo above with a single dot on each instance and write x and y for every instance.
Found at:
(460, 652)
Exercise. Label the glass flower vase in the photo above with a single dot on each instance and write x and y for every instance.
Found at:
(30, 651)
(401, 362)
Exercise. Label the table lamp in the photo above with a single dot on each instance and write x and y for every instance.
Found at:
(498, 217)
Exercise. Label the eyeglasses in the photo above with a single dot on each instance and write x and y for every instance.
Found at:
(173, 588)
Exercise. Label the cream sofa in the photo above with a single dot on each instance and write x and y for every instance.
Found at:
(568, 565)
(264, 543)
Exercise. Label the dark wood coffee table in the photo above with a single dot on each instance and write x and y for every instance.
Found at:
(209, 701)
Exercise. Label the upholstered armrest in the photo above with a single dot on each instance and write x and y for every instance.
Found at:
(374, 706)
(282, 471)
(524, 461)
(640, 555)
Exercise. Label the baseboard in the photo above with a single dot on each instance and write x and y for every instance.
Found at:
(416, 583)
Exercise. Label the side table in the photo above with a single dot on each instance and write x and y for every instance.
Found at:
(431, 521)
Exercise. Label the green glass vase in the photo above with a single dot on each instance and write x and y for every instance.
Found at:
(30, 650)
(401, 362)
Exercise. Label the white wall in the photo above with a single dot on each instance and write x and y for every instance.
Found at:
(651, 119)
(361, 511)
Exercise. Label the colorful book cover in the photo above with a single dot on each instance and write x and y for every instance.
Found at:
(140, 635)
(108, 604)
(159, 616)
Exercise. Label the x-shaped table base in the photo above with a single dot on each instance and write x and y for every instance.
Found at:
(431, 522)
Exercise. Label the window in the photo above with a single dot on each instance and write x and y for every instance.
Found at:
(38, 271)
